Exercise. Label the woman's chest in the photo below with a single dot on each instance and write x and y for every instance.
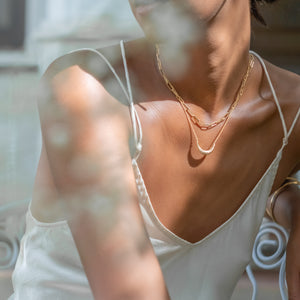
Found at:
(191, 193)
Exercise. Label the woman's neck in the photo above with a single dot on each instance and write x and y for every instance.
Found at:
(215, 65)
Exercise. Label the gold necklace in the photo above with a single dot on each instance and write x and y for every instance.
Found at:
(193, 118)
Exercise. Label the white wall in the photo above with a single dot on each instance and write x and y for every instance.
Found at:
(54, 27)
(85, 23)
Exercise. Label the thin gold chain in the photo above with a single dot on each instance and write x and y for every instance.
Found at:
(192, 119)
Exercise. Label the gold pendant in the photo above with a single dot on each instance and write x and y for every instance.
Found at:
(206, 152)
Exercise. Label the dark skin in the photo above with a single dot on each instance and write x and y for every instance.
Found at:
(164, 123)
(184, 186)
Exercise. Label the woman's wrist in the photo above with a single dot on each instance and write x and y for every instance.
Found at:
(283, 206)
(295, 208)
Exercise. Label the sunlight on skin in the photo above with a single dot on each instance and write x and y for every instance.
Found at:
(74, 97)
(174, 39)
(87, 133)
(59, 135)
(182, 54)
(167, 25)
(86, 145)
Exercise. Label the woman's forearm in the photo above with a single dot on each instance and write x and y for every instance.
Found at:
(118, 258)
(286, 207)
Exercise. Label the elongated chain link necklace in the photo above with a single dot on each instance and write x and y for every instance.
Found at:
(193, 119)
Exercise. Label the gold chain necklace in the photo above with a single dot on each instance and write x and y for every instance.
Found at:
(194, 119)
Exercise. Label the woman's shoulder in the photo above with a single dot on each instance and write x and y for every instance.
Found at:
(84, 79)
(88, 59)
(80, 120)
(73, 96)
(97, 62)
(286, 83)
(286, 88)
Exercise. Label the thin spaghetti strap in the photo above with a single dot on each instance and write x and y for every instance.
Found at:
(294, 123)
(109, 65)
(287, 133)
(274, 95)
(134, 116)
(128, 94)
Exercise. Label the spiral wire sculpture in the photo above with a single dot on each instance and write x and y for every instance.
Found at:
(10, 243)
(272, 261)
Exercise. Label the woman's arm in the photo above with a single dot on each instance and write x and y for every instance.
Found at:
(287, 213)
(286, 205)
(87, 160)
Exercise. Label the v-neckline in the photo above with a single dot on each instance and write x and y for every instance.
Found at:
(137, 124)
(184, 242)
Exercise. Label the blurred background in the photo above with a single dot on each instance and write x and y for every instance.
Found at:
(35, 32)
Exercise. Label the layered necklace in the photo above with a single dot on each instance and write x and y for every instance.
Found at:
(193, 120)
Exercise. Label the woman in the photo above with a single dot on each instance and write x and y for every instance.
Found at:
(217, 141)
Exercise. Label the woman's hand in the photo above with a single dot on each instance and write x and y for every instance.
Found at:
(287, 213)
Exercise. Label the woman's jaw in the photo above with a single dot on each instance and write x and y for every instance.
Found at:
(165, 22)
(209, 42)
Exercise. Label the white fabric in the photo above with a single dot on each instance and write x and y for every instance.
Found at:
(49, 267)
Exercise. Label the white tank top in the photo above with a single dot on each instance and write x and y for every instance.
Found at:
(49, 267)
